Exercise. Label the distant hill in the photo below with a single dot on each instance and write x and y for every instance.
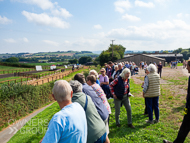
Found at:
(76, 54)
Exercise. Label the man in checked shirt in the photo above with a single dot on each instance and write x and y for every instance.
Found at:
(120, 90)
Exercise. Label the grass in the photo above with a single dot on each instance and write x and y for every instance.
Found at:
(179, 64)
(18, 79)
(8, 69)
(171, 115)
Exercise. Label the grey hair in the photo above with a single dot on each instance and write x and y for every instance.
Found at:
(152, 68)
(126, 70)
(116, 66)
(76, 86)
(120, 64)
(62, 90)
(95, 72)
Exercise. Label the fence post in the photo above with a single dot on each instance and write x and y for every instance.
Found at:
(37, 82)
(48, 79)
(8, 82)
(15, 80)
(42, 82)
(21, 80)
(52, 78)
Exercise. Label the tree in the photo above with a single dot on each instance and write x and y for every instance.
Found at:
(165, 52)
(12, 60)
(74, 61)
(85, 59)
(106, 56)
(119, 48)
(144, 52)
(52, 60)
(179, 50)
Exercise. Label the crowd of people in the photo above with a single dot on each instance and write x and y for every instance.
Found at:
(85, 110)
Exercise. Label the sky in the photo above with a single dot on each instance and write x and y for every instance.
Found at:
(90, 25)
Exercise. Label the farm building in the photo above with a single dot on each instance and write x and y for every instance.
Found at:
(168, 57)
(137, 58)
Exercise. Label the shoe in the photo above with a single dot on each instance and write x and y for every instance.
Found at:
(150, 122)
(131, 126)
(165, 141)
(118, 125)
(156, 121)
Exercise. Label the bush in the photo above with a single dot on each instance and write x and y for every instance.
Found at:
(17, 65)
(17, 100)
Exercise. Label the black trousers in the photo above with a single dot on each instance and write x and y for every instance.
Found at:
(159, 71)
(184, 129)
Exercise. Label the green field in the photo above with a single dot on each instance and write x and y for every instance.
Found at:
(171, 115)
(8, 68)
(17, 78)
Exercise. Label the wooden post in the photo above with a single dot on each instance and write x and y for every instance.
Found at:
(42, 82)
(8, 82)
(21, 80)
(48, 79)
(52, 78)
(37, 82)
(15, 80)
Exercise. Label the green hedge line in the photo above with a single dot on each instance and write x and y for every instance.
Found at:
(18, 100)
(17, 65)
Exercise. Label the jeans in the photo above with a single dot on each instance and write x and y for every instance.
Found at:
(159, 71)
(126, 102)
(184, 129)
(151, 103)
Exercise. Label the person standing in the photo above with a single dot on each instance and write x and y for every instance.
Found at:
(68, 125)
(160, 68)
(95, 126)
(120, 89)
(185, 126)
(119, 71)
(151, 93)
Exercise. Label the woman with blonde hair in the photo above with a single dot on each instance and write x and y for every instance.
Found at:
(120, 89)
(94, 72)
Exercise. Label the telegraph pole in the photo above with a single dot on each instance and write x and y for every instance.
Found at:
(112, 49)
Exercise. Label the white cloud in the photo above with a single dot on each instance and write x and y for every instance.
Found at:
(10, 40)
(51, 42)
(25, 39)
(98, 26)
(62, 12)
(44, 19)
(181, 15)
(43, 4)
(122, 5)
(162, 30)
(144, 4)
(130, 17)
(161, 1)
(5, 20)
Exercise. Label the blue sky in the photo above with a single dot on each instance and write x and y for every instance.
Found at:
(50, 25)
